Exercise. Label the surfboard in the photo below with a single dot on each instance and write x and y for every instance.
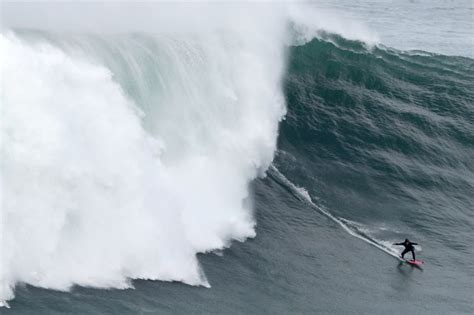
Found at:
(415, 262)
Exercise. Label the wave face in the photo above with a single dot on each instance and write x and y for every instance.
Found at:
(124, 156)
(384, 138)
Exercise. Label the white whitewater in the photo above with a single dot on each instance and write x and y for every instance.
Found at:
(91, 197)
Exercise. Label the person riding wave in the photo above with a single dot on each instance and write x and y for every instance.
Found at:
(408, 248)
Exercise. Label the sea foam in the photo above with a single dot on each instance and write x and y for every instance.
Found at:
(101, 184)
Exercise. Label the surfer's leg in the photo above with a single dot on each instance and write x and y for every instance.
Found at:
(413, 254)
(404, 252)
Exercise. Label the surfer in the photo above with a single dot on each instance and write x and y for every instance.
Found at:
(408, 247)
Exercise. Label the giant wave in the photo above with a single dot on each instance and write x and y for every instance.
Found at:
(126, 152)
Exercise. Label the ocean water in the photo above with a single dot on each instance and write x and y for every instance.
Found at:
(441, 26)
(259, 161)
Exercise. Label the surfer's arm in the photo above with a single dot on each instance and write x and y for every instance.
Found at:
(414, 243)
(397, 243)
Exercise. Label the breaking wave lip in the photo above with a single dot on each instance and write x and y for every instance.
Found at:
(351, 227)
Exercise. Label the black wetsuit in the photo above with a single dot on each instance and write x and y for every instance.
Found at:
(408, 248)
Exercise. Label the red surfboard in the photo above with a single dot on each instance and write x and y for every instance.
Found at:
(415, 262)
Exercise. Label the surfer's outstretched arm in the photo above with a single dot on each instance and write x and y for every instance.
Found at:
(397, 243)
(414, 243)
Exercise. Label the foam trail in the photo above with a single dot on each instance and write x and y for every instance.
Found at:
(303, 195)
